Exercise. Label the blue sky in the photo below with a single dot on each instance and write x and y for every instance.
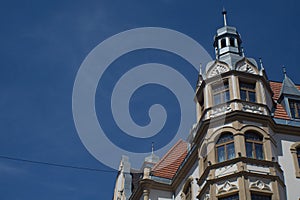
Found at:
(43, 44)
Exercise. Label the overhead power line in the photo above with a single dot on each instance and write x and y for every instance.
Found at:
(56, 164)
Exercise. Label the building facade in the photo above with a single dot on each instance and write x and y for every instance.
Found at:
(245, 144)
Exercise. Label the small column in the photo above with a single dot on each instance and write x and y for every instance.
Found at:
(146, 194)
(227, 42)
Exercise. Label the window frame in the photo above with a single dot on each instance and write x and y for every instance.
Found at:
(253, 144)
(294, 106)
(225, 145)
(248, 90)
(222, 89)
(295, 156)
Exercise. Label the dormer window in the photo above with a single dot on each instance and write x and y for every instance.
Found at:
(220, 93)
(295, 108)
(247, 92)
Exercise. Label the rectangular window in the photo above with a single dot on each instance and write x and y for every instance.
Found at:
(221, 93)
(247, 92)
(295, 109)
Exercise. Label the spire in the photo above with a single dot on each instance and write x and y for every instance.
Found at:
(152, 148)
(288, 87)
(224, 13)
(261, 64)
(227, 43)
(284, 70)
(200, 69)
(152, 158)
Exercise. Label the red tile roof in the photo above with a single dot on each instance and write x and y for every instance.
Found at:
(168, 165)
(279, 111)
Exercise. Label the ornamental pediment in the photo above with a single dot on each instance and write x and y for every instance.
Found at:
(246, 66)
(217, 69)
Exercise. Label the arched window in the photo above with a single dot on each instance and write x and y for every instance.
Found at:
(223, 43)
(254, 145)
(225, 147)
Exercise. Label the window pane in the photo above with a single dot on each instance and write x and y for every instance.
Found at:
(233, 197)
(299, 161)
(230, 151)
(298, 110)
(232, 42)
(293, 113)
(252, 97)
(259, 151)
(227, 96)
(223, 43)
(295, 108)
(243, 95)
(225, 137)
(217, 99)
(253, 136)
(221, 153)
(260, 197)
(247, 85)
(249, 149)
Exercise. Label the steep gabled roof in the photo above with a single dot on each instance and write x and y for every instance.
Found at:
(169, 164)
(279, 111)
(288, 88)
(277, 89)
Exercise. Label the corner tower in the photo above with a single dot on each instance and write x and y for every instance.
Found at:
(236, 151)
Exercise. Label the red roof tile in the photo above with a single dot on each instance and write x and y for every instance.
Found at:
(279, 111)
(168, 165)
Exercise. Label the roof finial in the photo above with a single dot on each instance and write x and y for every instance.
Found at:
(224, 12)
(243, 52)
(200, 69)
(284, 70)
(152, 148)
(261, 64)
